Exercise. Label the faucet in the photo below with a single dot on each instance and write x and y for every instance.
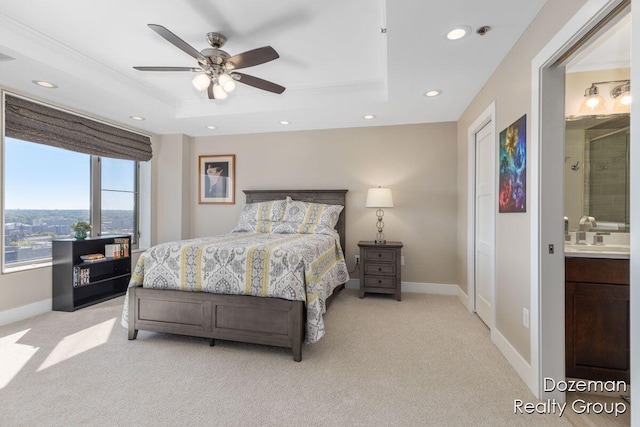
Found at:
(586, 223)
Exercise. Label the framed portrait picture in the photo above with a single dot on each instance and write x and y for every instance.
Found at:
(216, 178)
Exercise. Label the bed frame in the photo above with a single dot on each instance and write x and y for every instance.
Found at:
(251, 319)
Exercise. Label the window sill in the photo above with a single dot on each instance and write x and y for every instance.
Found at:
(25, 267)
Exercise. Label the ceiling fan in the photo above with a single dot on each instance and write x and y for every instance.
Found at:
(217, 68)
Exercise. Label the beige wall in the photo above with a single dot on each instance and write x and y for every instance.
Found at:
(418, 162)
(510, 87)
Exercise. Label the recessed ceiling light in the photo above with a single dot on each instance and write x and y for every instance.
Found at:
(138, 118)
(431, 93)
(369, 117)
(285, 122)
(458, 32)
(45, 84)
(212, 127)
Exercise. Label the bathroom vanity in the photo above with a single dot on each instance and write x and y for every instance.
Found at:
(597, 312)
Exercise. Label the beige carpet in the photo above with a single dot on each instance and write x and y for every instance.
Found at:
(422, 361)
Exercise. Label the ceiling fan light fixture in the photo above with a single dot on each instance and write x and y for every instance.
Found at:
(218, 92)
(227, 82)
(201, 82)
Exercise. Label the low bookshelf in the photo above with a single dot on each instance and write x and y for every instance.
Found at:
(78, 283)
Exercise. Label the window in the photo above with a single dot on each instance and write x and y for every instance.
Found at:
(46, 189)
(118, 196)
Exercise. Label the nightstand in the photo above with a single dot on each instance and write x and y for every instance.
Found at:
(380, 270)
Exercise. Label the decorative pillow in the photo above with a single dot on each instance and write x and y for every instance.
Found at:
(253, 226)
(295, 228)
(261, 211)
(312, 213)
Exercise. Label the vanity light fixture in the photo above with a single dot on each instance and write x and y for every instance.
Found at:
(594, 102)
(369, 117)
(622, 95)
(43, 83)
(138, 118)
(432, 93)
(379, 198)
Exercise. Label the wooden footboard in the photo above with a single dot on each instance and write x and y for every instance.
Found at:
(256, 320)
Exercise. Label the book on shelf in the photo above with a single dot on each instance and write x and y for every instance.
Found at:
(123, 242)
(112, 250)
(81, 276)
(92, 257)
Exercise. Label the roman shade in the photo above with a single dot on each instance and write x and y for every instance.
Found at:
(33, 122)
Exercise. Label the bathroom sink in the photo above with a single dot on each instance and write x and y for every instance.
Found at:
(598, 248)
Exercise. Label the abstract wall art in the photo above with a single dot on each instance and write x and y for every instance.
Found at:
(513, 167)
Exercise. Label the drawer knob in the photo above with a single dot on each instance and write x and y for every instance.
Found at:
(379, 269)
(379, 255)
(379, 281)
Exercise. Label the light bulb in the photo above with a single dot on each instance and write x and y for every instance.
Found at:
(625, 99)
(592, 102)
(227, 82)
(201, 82)
(218, 92)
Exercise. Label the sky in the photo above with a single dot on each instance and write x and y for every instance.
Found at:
(38, 176)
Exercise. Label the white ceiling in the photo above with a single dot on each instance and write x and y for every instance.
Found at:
(335, 62)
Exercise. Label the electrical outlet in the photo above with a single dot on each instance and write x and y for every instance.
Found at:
(402, 260)
(357, 258)
(525, 317)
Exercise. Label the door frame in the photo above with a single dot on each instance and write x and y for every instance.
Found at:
(547, 203)
(488, 116)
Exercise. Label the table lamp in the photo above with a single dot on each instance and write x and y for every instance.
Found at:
(379, 198)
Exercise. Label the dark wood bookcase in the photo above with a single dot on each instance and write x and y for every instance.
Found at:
(107, 278)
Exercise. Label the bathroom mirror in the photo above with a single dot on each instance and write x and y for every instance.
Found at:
(597, 171)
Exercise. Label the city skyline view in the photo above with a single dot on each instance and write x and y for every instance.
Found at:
(42, 200)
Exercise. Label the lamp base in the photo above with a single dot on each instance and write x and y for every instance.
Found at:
(380, 242)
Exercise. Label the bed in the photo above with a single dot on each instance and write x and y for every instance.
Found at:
(261, 317)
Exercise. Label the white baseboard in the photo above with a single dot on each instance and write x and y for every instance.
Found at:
(25, 311)
(416, 287)
(517, 362)
(463, 297)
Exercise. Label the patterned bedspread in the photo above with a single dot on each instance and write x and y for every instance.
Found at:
(304, 267)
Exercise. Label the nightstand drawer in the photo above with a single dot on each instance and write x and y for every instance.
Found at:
(379, 282)
(380, 269)
(383, 255)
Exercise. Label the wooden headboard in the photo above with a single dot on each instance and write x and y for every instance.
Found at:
(331, 197)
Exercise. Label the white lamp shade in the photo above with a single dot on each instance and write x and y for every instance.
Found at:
(218, 92)
(201, 82)
(227, 82)
(379, 198)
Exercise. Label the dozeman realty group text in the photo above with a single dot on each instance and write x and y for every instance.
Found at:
(579, 406)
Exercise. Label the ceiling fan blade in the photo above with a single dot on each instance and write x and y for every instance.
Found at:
(194, 69)
(210, 90)
(259, 83)
(176, 41)
(252, 57)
